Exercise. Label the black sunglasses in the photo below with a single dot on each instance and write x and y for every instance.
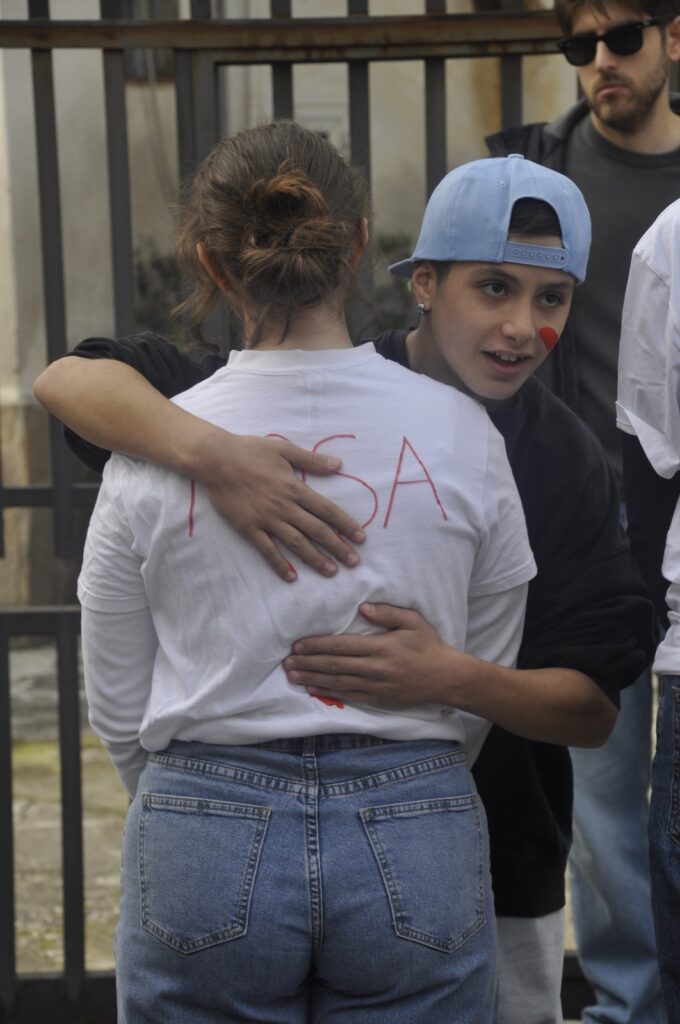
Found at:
(623, 40)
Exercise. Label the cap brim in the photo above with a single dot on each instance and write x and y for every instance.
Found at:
(404, 268)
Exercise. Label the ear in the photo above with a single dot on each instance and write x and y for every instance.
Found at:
(206, 261)
(673, 39)
(424, 283)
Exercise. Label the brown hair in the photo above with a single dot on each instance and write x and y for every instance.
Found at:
(565, 9)
(279, 212)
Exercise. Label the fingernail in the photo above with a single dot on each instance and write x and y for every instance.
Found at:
(369, 609)
(290, 576)
(352, 560)
(330, 569)
(298, 647)
(358, 536)
(332, 462)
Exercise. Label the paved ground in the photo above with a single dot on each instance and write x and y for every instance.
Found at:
(38, 825)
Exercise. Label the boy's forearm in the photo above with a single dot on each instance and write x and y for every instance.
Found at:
(410, 664)
(552, 705)
(110, 404)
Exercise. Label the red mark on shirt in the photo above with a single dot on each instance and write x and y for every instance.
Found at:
(427, 479)
(406, 446)
(192, 506)
(549, 337)
(348, 476)
(330, 701)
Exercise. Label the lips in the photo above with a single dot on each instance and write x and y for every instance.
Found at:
(506, 362)
(609, 85)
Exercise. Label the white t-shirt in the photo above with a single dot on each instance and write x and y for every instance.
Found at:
(649, 384)
(207, 622)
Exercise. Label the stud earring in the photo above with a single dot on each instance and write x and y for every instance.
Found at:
(421, 309)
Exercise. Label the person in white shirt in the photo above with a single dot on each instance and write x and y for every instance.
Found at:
(285, 856)
(648, 408)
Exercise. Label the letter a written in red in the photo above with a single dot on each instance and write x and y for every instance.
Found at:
(398, 482)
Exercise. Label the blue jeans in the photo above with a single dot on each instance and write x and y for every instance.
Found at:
(664, 841)
(609, 868)
(327, 879)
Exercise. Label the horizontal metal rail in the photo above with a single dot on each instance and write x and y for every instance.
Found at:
(304, 40)
(43, 496)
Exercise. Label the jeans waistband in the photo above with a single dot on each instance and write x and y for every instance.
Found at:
(319, 744)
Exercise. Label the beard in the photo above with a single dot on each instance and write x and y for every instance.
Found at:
(628, 111)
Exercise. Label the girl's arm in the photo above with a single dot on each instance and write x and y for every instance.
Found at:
(250, 480)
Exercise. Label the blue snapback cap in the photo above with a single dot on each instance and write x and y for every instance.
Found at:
(468, 215)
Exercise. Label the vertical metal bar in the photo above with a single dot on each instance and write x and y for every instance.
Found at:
(359, 102)
(360, 311)
(53, 274)
(7, 910)
(511, 79)
(3, 501)
(511, 91)
(71, 805)
(119, 181)
(435, 110)
(205, 103)
(282, 74)
(184, 106)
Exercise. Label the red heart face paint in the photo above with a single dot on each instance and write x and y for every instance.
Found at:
(549, 337)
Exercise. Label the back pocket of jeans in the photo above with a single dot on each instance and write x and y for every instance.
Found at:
(431, 857)
(197, 861)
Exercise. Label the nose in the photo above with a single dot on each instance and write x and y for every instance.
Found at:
(519, 327)
(604, 58)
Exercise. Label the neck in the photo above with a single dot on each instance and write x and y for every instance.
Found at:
(319, 328)
(660, 132)
(424, 357)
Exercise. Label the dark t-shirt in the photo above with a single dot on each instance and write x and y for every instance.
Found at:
(625, 192)
(586, 608)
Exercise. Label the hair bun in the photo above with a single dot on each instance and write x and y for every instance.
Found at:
(279, 205)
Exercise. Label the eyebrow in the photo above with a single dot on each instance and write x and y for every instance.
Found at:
(494, 268)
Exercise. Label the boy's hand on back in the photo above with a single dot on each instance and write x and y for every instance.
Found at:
(407, 665)
(251, 481)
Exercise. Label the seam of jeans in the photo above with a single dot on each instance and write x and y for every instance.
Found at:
(247, 777)
(313, 846)
(674, 803)
(399, 774)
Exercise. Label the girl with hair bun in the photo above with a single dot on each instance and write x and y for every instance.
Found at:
(289, 858)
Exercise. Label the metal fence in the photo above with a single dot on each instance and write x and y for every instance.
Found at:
(200, 47)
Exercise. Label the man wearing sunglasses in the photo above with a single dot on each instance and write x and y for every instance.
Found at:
(621, 145)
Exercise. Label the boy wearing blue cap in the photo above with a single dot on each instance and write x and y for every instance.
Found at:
(502, 246)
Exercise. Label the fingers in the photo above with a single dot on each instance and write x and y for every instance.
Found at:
(310, 462)
(304, 534)
(271, 554)
(348, 645)
(328, 519)
(327, 669)
(389, 616)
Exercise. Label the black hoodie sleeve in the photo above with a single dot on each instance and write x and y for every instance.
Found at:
(169, 369)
